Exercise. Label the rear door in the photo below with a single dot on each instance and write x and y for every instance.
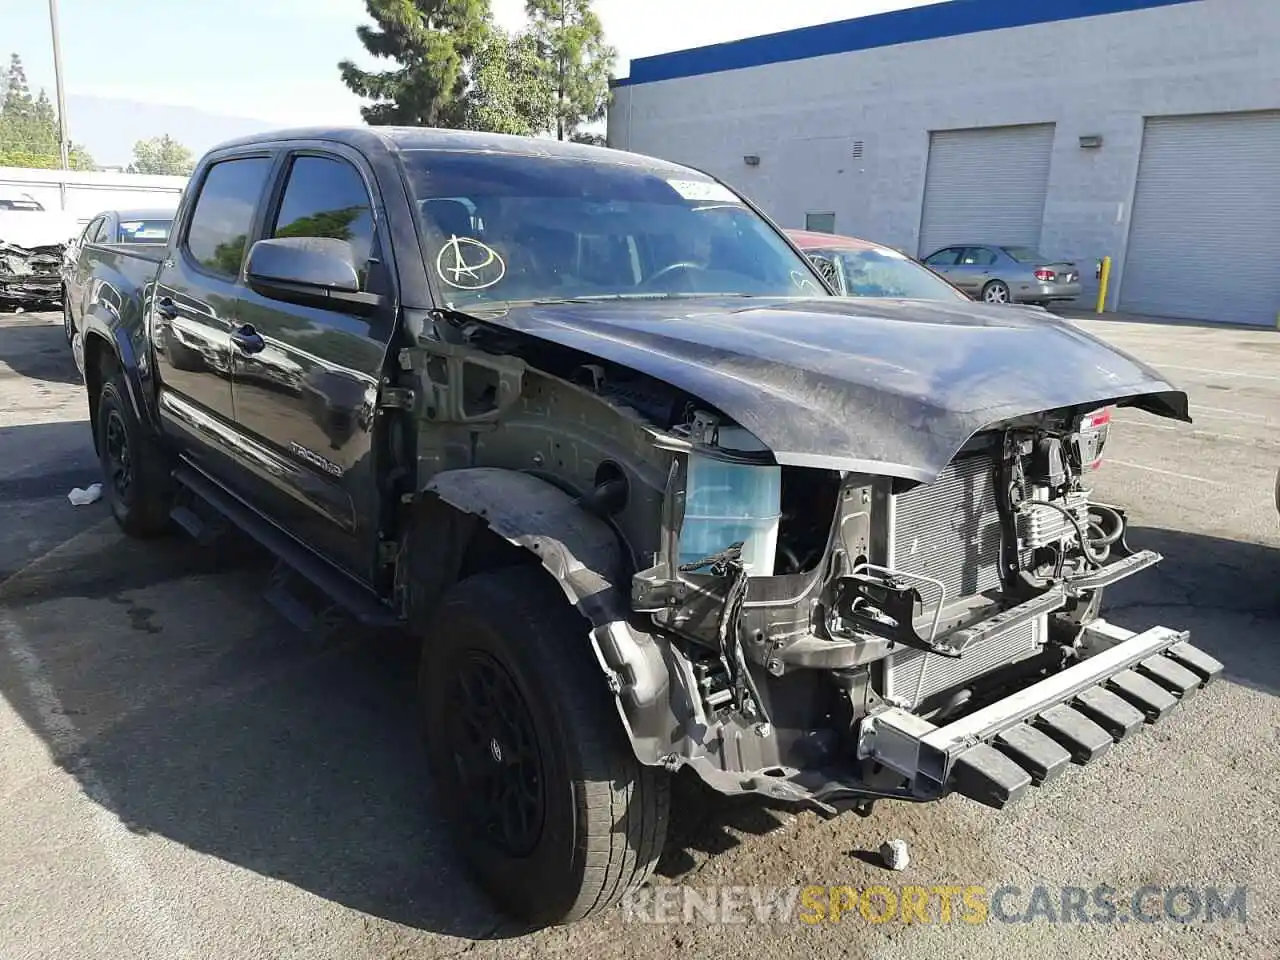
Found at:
(973, 269)
(306, 396)
(196, 301)
(78, 268)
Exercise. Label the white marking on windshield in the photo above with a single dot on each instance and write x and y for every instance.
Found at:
(476, 265)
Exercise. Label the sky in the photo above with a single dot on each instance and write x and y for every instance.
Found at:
(275, 60)
(205, 71)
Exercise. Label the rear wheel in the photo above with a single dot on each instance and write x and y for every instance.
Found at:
(68, 325)
(997, 291)
(551, 811)
(135, 470)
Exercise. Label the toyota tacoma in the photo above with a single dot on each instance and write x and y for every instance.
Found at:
(650, 494)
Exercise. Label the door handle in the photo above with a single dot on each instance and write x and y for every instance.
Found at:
(247, 339)
(167, 308)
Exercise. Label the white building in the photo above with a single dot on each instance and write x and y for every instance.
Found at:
(1144, 130)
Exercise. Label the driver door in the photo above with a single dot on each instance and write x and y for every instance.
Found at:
(306, 378)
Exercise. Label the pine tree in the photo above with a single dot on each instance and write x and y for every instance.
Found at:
(571, 44)
(29, 126)
(433, 41)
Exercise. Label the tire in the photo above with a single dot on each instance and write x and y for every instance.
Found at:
(135, 471)
(997, 291)
(594, 819)
(68, 325)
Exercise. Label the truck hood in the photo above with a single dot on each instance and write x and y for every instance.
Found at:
(892, 387)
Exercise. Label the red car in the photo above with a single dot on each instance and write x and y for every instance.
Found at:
(860, 268)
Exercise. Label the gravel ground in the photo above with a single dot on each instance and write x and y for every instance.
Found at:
(182, 774)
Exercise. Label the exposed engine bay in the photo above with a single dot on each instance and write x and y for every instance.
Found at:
(848, 585)
(931, 599)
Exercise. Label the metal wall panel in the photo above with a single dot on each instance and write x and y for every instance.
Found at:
(986, 185)
(1204, 239)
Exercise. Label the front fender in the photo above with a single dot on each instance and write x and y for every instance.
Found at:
(585, 557)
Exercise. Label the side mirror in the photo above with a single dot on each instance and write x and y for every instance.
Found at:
(312, 271)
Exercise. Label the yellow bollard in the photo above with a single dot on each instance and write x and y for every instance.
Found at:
(1104, 274)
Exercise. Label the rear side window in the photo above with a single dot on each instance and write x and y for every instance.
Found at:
(1023, 254)
(326, 197)
(223, 214)
(144, 231)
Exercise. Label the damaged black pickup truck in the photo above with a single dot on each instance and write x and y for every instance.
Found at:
(649, 493)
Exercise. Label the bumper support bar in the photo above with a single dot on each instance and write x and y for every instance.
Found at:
(994, 753)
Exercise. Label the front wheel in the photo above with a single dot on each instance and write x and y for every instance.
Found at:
(68, 324)
(997, 291)
(551, 811)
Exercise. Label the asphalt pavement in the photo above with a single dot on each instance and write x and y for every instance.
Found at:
(182, 774)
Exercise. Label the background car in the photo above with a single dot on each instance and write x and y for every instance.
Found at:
(1006, 274)
(860, 268)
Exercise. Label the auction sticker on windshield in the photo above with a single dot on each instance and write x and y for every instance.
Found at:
(703, 190)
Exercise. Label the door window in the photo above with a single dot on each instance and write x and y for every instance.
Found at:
(943, 258)
(326, 197)
(93, 230)
(223, 216)
(977, 257)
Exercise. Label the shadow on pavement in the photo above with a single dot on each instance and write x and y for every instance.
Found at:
(209, 722)
(33, 347)
(1226, 592)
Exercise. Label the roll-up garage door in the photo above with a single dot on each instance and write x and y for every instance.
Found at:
(1204, 242)
(986, 186)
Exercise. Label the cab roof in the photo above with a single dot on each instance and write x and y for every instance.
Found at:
(395, 139)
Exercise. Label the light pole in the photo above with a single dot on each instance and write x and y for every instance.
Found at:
(64, 138)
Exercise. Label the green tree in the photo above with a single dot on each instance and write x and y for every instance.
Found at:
(29, 126)
(433, 42)
(162, 155)
(509, 91)
(571, 45)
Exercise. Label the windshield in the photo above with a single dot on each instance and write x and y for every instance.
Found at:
(144, 231)
(501, 228)
(1023, 254)
(882, 272)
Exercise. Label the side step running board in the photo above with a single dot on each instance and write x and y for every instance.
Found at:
(363, 606)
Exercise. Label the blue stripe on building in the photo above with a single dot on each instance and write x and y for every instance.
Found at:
(953, 18)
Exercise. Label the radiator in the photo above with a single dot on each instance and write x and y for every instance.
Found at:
(902, 681)
(950, 530)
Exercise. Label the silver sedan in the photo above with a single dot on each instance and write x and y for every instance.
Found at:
(1006, 274)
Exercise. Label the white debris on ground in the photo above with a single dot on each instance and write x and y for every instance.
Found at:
(83, 496)
(894, 854)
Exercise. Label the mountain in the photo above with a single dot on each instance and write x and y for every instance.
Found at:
(109, 127)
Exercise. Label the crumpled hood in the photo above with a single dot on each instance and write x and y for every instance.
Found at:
(893, 387)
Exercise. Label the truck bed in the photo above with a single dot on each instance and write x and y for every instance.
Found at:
(151, 252)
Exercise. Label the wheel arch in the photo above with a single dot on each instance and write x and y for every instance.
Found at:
(104, 342)
(540, 523)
